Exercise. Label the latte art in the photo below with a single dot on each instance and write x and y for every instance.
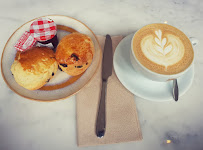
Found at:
(161, 43)
(164, 49)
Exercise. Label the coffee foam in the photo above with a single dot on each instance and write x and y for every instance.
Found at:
(162, 48)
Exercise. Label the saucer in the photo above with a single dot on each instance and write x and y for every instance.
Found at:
(141, 86)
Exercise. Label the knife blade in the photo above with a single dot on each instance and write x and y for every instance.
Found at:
(107, 65)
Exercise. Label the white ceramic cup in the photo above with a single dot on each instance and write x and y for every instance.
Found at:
(153, 75)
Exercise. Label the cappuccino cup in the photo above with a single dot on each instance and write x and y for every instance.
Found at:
(161, 52)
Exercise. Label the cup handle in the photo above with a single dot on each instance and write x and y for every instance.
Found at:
(194, 41)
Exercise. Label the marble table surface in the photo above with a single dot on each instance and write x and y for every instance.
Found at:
(26, 124)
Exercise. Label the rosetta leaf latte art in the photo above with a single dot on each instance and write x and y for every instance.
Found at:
(162, 48)
(161, 43)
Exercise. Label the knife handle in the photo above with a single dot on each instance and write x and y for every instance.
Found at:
(101, 116)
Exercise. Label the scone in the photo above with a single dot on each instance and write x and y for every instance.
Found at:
(75, 53)
(34, 68)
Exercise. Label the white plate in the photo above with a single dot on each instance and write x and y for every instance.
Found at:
(141, 86)
(57, 89)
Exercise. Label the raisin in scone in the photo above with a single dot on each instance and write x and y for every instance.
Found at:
(75, 53)
(34, 68)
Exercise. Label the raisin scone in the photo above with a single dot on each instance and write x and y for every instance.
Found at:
(75, 53)
(34, 68)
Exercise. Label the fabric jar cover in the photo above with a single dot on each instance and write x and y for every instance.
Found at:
(25, 42)
(43, 29)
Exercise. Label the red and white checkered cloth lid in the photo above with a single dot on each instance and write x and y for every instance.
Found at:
(25, 42)
(43, 29)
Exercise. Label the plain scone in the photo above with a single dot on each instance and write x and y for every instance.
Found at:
(75, 53)
(34, 68)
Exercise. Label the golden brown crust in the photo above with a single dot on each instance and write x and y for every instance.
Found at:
(30, 58)
(75, 53)
(34, 68)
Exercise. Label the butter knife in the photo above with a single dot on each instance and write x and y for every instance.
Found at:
(107, 65)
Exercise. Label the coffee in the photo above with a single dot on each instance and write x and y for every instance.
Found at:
(162, 49)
